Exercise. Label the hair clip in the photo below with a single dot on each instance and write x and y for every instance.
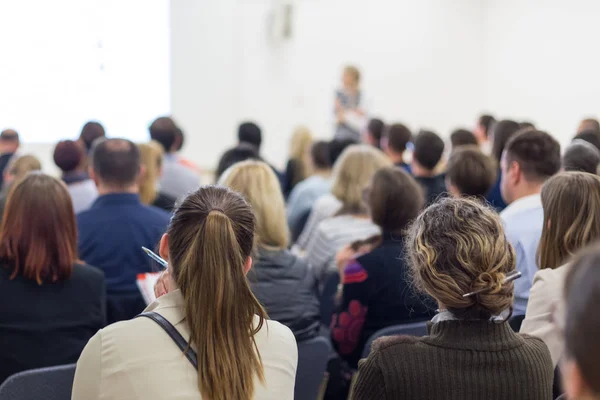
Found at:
(508, 278)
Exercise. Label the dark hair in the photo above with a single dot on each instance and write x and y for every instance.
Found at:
(249, 132)
(581, 156)
(68, 155)
(429, 148)
(375, 129)
(337, 147)
(536, 152)
(91, 131)
(501, 134)
(398, 136)
(179, 139)
(395, 199)
(526, 125)
(9, 135)
(38, 238)
(211, 235)
(592, 137)
(486, 121)
(319, 152)
(116, 161)
(242, 152)
(582, 321)
(472, 172)
(164, 131)
(462, 137)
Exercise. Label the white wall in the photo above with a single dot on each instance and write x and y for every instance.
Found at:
(542, 62)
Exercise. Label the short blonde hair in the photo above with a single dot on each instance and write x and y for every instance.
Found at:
(353, 172)
(257, 182)
(352, 70)
(151, 157)
(18, 167)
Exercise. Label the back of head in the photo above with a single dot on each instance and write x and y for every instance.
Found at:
(375, 128)
(589, 124)
(353, 172)
(536, 152)
(164, 131)
(91, 131)
(18, 167)
(337, 147)
(300, 143)
(581, 156)
(398, 136)
(429, 148)
(68, 155)
(471, 172)
(319, 154)
(571, 202)
(151, 157)
(38, 238)
(462, 137)
(210, 240)
(485, 122)
(582, 326)
(257, 182)
(116, 163)
(592, 137)
(240, 153)
(395, 199)
(527, 125)
(457, 246)
(501, 133)
(249, 132)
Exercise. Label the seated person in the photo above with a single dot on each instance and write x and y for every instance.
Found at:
(113, 231)
(469, 172)
(459, 255)
(376, 291)
(69, 156)
(281, 281)
(9, 144)
(462, 137)
(373, 134)
(17, 168)
(581, 156)
(590, 136)
(51, 303)
(428, 152)
(502, 132)
(394, 143)
(250, 134)
(298, 165)
(241, 152)
(151, 157)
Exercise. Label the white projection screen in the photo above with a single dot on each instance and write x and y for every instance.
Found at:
(64, 62)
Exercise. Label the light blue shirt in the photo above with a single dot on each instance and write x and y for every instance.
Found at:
(304, 195)
(523, 222)
(177, 180)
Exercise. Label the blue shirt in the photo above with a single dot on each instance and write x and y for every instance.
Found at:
(304, 195)
(494, 196)
(112, 233)
(523, 222)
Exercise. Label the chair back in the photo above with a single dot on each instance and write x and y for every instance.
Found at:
(412, 329)
(327, 298)
(52, 383)
(313, 355)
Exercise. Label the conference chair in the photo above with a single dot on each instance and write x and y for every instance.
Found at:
(313, 355)
(412, 329)
(52, 383)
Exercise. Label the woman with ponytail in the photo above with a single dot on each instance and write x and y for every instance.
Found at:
(239, 353)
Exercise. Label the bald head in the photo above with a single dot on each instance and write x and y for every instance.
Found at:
(115, 163)
(165, 131)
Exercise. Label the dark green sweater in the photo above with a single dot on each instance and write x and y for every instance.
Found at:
(462, 360)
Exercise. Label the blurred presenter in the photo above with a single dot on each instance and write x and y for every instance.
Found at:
(349, 106)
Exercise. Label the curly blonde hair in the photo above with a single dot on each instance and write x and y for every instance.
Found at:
(457, 246)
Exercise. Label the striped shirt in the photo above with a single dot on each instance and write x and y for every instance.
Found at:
(326, 206)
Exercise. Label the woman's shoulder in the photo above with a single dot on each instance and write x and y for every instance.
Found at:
(275, 337)
(549, 276)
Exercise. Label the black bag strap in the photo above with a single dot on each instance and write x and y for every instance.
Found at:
(175, 335)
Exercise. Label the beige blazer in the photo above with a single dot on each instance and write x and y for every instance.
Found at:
(546, 296)
(136, 359)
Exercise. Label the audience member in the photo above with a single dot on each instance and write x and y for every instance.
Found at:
(592, 137)
(394, 144)
(113, 230)
(457, 247)
(9, 144)
(240, 353)
(581, 156)
(50, 303)
(376, 292)
(309, 190)
(501, 133)
(241, 152)
(428, 152)
(176, 180)
(589, 124)
(16, 170)
(581, 327)
(350, 221)
(282, 282)
(69, 157)
(91, 131)
(298, 168)
(374, 132)
(177, 146)
(462, 137)
(526, 125)
(529, 159)
(571, 202)
(349, 101)
(250, 133)
(482, 132)
(151, 158)
(469, 172)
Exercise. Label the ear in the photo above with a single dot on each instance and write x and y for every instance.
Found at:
(93, 175)
(247, 265)
(141, 173)
(163, 250)
(515, 172)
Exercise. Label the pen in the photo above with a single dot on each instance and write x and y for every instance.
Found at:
(156, 257)
(508, 278)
